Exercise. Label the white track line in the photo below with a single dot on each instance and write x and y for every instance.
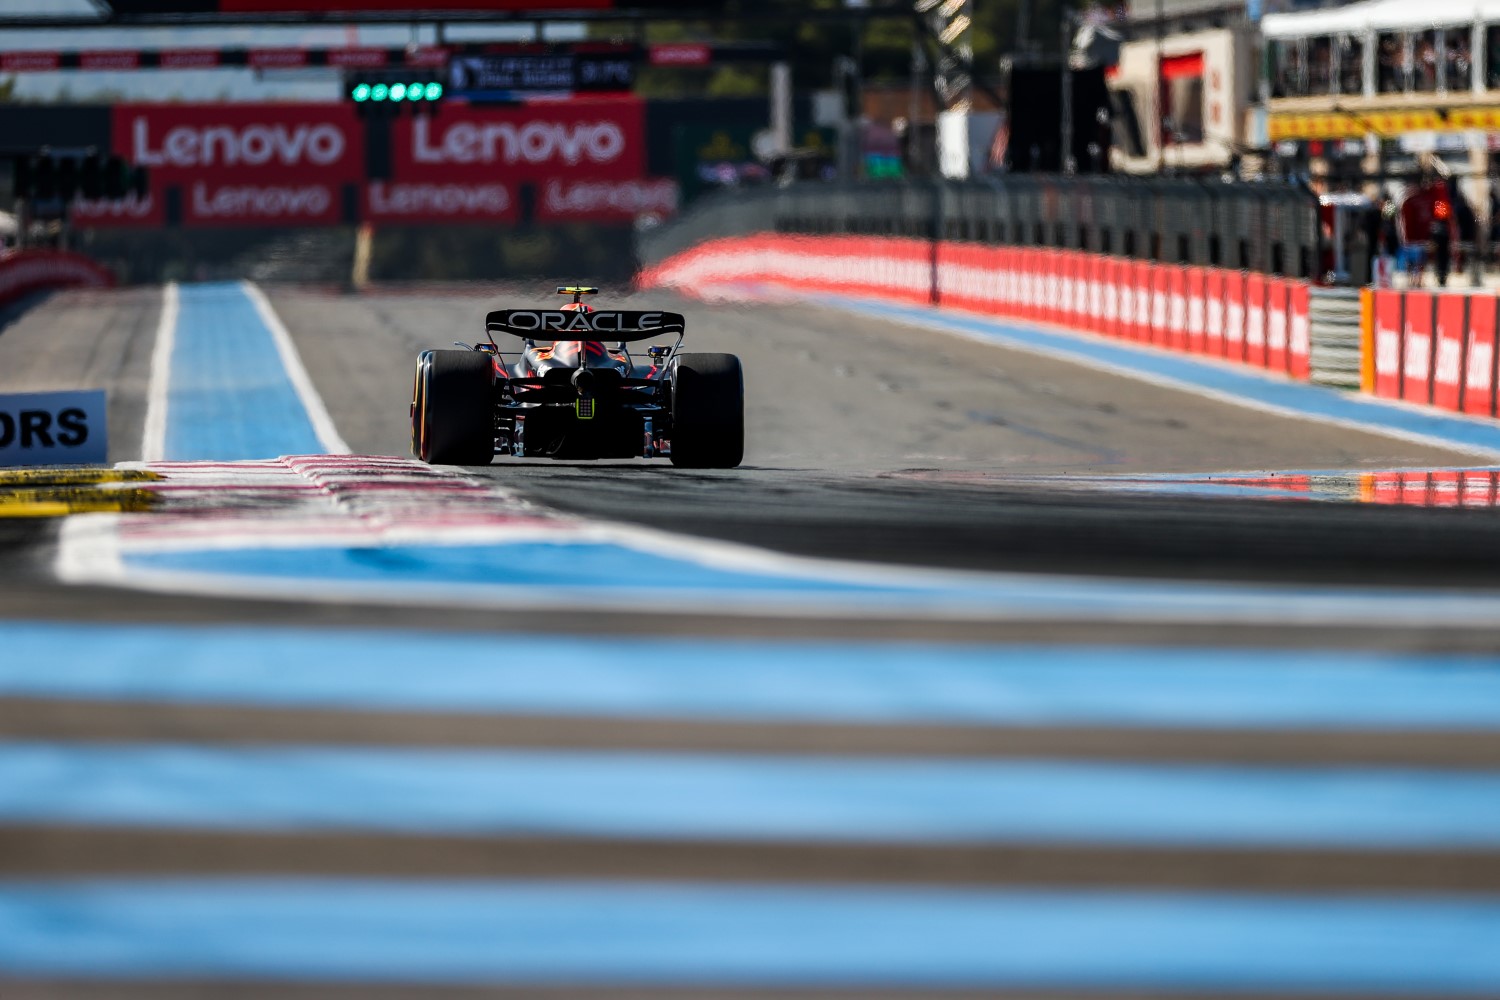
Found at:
(317, 413)
(154, 438)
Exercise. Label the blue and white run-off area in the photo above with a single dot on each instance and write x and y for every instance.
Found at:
(1008, 665)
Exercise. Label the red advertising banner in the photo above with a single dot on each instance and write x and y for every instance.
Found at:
(1255, 320)
(1299, 335)
(1213, 312)
(1388, 307)
(991, 264)
(1416, 349)
(1054, 307)
(109, 59)
(187, 58)
(1447, 368)
(1122, 302)
(1161, 303)
(1234, 315)
(1276, 324)
(304, 165)
(680, 54)
(596, 140)
(1078, 268)
(1197, 308)
(238, 164)
(1098, 277)
(29, 62)
(1479, 367)
(1140, 319)
(421, 201)
(1177, 314)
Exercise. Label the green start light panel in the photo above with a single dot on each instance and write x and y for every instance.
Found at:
(395, 92)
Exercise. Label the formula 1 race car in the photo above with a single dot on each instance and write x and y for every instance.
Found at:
(576, 398)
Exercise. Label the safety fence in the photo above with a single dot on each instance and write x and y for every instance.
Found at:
(1431, 347)
(25, 271)
(1269, 227)
(1234, 315)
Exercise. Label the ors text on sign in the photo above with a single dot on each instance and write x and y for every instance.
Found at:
(53, 428)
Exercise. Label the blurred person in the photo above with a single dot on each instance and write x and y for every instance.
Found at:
(1390, 62)
(1442, 240)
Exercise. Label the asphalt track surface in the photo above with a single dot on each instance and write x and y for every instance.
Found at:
(867, 441)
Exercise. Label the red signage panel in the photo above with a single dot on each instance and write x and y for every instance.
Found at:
(1299, 331)
(1161, 303)
(1479, 366)
(1255, 320)
(216, 143)
(598, 140)
(680, 54)
(1276, 324)
(420, 201)
(29, 62)
(1213, 312)
(1388, 308)
(109, 59)
(187, 58)
(1416, 349)
(1447, 368)
(1177, 317)
(1234, 315)
(1197, 308)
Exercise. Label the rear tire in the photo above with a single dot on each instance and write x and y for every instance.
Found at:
(455, 409)
(708, 411)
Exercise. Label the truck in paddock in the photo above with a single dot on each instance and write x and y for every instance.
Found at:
(570, 398)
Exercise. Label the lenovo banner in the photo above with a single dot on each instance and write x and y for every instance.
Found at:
(271, 165)
(235, 165)
(574, 161)
(594, 140)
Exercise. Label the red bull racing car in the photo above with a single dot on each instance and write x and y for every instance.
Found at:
(564, 393)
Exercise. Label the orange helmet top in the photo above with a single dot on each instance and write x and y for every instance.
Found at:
(577, 307)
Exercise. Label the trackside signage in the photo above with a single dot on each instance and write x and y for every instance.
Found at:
(572, 140)
(53, 428)
(271, 165)
(237, 164)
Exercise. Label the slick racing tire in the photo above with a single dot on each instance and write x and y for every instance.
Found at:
(708, 411)
(455, 418)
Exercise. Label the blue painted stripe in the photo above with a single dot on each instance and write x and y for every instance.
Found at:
(691, 796)
(523, 932)
(623, 575)
(751, 679)
(229, 396)
(1314, 401)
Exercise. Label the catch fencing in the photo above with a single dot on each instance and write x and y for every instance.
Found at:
(1269, 228)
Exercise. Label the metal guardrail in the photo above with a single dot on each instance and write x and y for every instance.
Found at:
(1271, 228)
(1335, 321)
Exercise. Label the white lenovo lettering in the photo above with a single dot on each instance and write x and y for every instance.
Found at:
(438, 199)
(226, 145)
(309, 201)
(616, 197)
(1481, 364)
(504, 142)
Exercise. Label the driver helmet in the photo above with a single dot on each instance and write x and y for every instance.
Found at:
(576, 353)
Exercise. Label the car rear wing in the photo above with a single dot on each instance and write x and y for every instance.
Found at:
(601, 324)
